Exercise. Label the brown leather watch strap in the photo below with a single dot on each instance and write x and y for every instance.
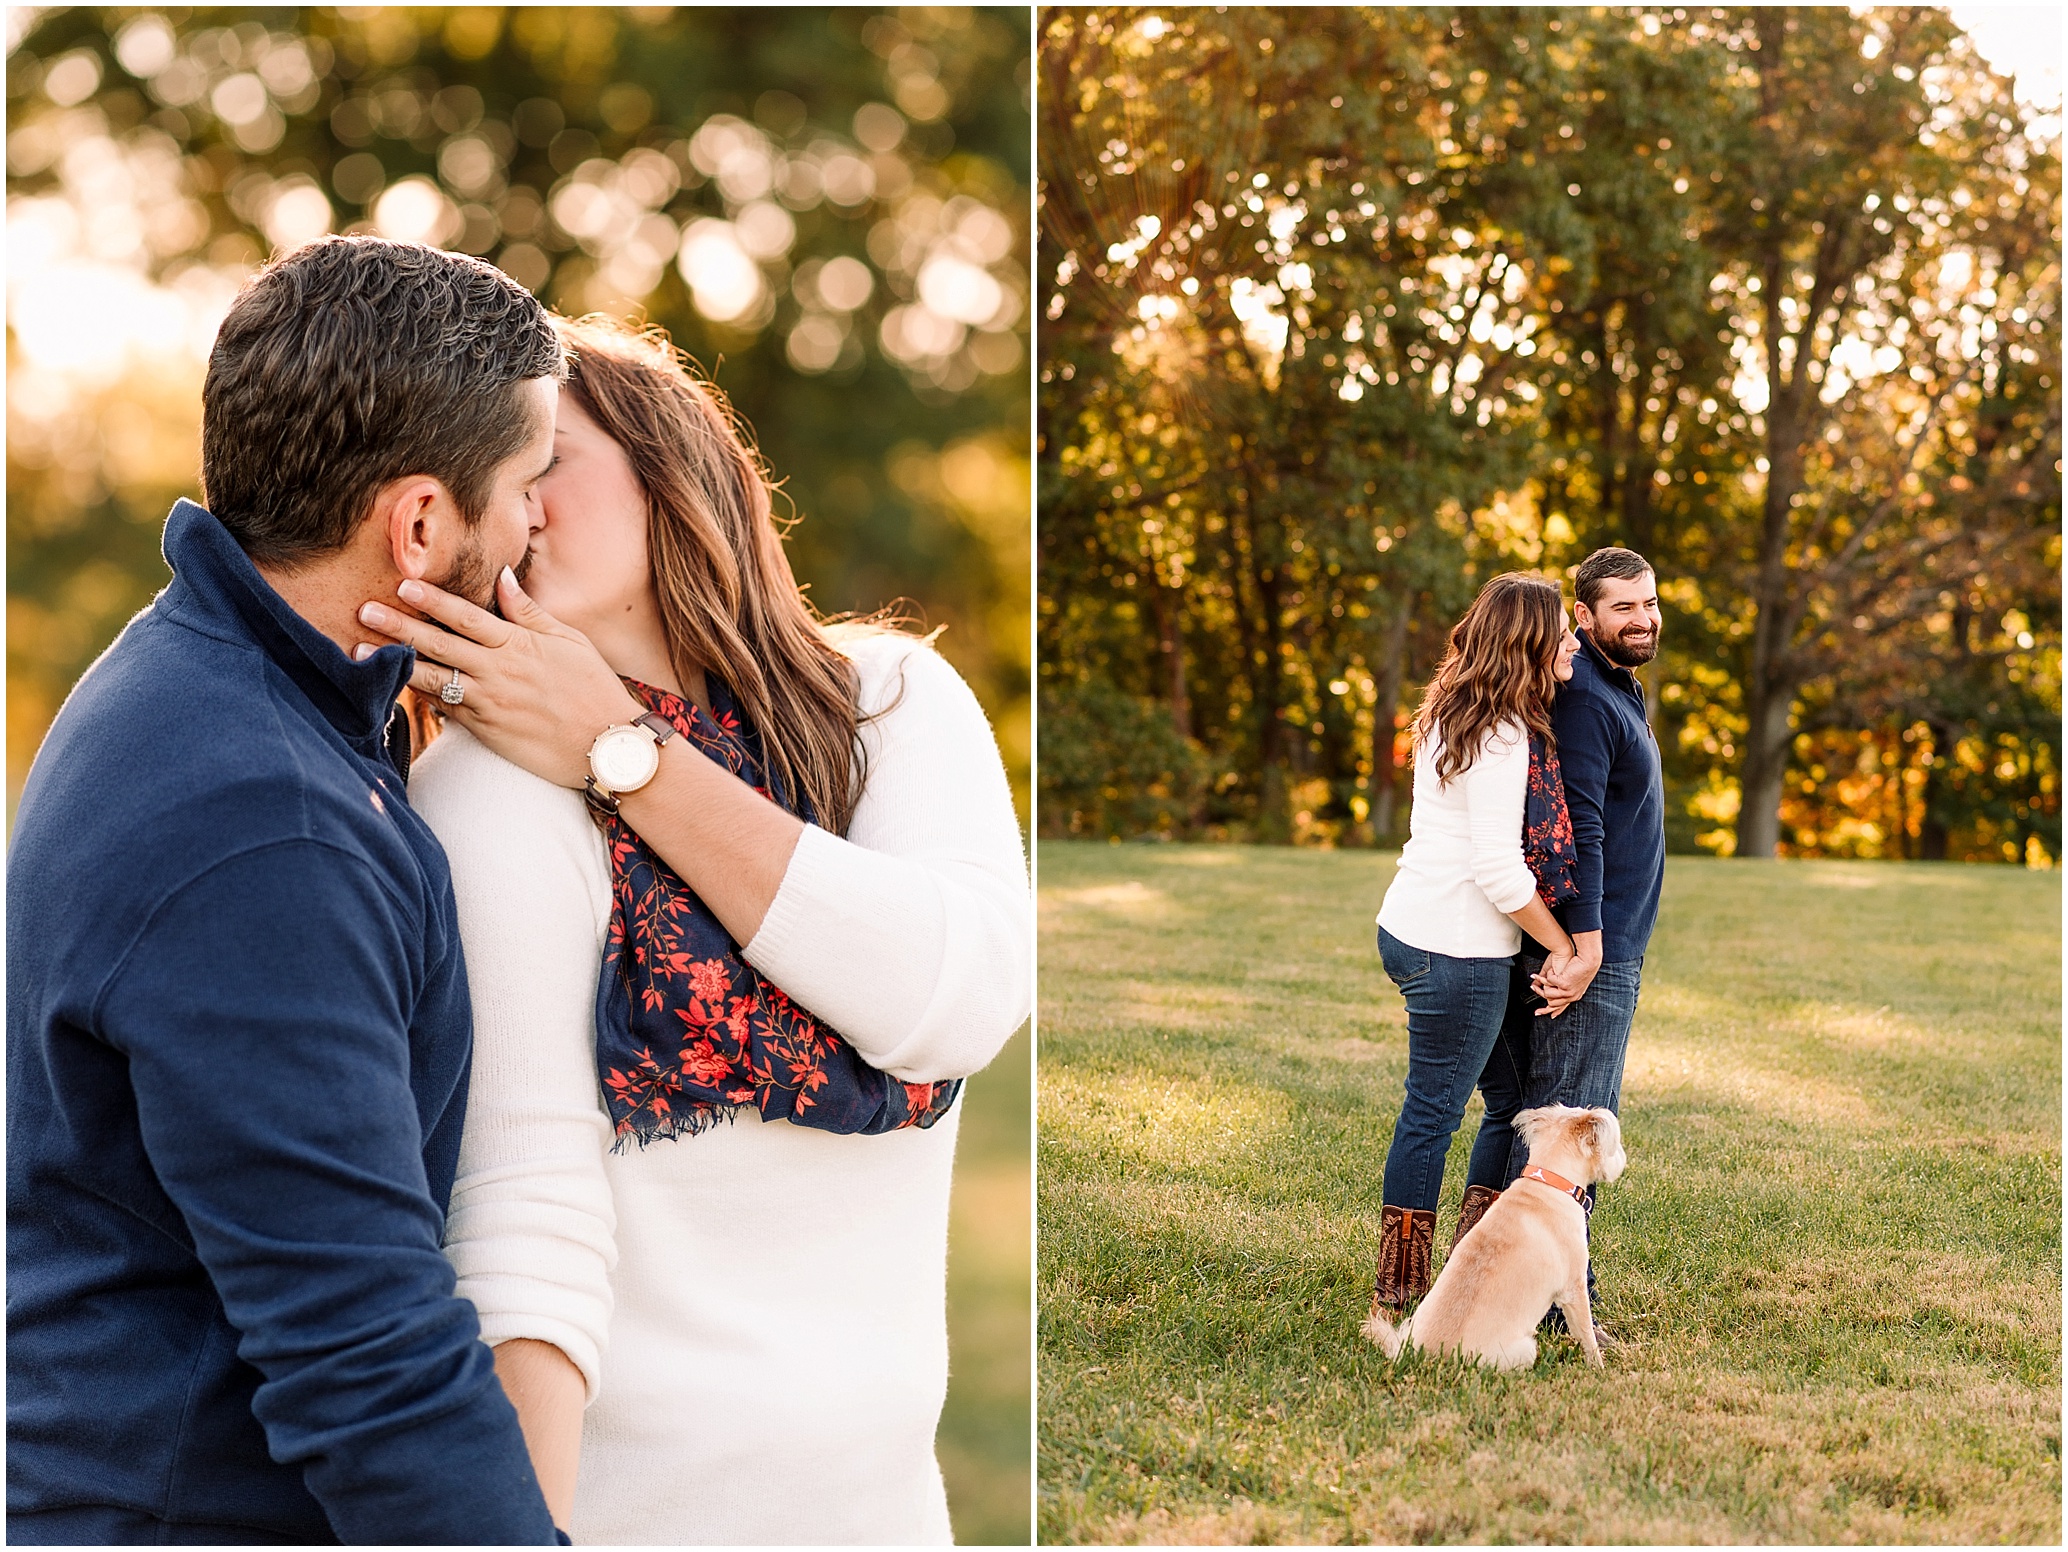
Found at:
(597, 799)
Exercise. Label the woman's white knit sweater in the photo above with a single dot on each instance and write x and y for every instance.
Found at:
(1461, 871)
(759, 1311)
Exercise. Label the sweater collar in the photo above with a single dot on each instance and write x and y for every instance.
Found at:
(1614, 672)
(216, 586)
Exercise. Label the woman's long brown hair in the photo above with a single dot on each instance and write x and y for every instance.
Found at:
(728, 599)
(1498, 669)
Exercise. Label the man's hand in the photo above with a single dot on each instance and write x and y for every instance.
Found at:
(1562, 982)
(1552, 972)
(1555, 964)
(536, 691)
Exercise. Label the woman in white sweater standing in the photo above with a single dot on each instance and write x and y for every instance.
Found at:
(685, 856)
(1464, 892)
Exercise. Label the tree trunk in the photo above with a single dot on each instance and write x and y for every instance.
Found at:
(1931, 825)
(1170, 643)
(1770, 683)
(1641, 461)
(1385, 714)
(1274, 801)
(1902, 793)
(1637, 501)
(1765, 770)
(1931, 837)
(1258, 553)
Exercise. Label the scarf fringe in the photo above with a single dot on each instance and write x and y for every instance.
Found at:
(699, 1120)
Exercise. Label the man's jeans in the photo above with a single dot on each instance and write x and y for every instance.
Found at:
(1574, 1059)
(1454, 1013)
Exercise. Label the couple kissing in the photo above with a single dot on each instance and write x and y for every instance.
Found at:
(527, 1109)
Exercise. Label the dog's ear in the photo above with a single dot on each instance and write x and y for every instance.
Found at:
(1528, 1123)
(1591, 1138)
(1599, 1136)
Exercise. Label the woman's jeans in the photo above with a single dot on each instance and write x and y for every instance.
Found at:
(1454, 1013)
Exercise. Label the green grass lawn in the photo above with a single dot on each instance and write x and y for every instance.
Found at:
(983, 1441)
(1836, 1252)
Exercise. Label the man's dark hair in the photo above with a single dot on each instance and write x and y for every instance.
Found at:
(356, 361)
(1604, 564)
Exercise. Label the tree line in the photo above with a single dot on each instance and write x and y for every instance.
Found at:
(1344, 310)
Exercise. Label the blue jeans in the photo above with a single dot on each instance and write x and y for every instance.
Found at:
(1574, 1059)
(1454, 1013)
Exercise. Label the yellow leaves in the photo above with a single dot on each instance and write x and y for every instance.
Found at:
(389, 34)
(472, 31)
(575, 43)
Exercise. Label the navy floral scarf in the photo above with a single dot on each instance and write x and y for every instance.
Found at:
(1547, 828)
(687, 1032)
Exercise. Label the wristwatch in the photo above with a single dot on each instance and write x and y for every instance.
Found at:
(624, 758)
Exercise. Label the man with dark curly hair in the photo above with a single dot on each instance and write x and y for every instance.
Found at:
(238, 1028)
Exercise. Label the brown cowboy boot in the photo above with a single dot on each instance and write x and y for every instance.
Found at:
(1477, 1200)
(1406, 1237)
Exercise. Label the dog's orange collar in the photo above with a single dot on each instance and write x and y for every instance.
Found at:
(1556, 1182)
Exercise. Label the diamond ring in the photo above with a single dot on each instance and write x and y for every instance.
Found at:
(452, 692)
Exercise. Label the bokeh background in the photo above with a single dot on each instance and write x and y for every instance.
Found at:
(1347, 308)
(828, 209)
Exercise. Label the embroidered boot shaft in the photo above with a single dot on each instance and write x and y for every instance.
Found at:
(1477, 1200)
(1407, 1236)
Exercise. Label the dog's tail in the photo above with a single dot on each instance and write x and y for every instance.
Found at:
(1377, 1328)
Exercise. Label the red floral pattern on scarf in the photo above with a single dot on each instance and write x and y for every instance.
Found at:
(687, 1032)
(1547, 828)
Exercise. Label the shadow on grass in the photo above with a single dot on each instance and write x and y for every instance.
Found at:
(1836, 1254)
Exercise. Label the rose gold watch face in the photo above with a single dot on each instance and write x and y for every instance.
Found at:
(624, 759)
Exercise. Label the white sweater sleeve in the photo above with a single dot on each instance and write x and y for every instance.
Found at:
(912, 937)
(1494, 788)
(531, 1230)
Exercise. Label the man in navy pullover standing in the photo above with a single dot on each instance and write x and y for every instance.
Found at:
(238, 1031)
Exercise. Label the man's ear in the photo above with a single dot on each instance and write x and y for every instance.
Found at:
(413, 514)
(1583, 616)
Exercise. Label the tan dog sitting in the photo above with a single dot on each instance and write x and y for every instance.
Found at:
(1527, 1253)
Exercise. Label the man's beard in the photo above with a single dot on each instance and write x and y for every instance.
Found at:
(472, 577)
(1623, 653)
(519, 571)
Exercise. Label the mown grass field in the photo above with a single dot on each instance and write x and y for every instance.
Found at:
(983, 1441)
(1836, 1253)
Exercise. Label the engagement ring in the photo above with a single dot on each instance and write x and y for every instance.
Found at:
(452, 692)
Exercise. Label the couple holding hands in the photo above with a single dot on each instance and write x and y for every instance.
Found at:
(368, 1165)
(1539, 811)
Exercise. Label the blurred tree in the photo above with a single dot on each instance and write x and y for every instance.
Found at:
(1874, 151)
(825, 207)
(1952, 546)
(1336, 302)
(1344, 308)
